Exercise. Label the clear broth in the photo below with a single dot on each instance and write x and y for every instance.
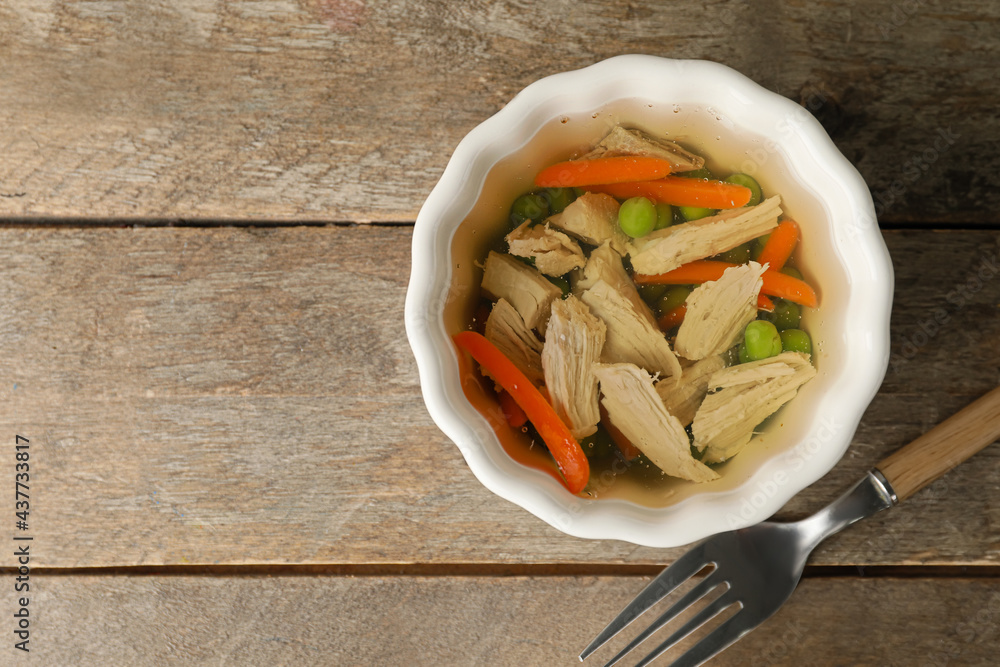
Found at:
(570, 136)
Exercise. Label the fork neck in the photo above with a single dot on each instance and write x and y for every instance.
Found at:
(869, 496)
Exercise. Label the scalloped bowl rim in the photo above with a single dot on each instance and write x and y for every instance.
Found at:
(860, 246)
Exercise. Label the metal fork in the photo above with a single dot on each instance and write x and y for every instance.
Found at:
(757, 568)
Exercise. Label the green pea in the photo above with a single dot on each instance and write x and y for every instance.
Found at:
(792, 271)
(796, 340)
(664, 216)
(690, 213)
(786, 315)
(695, 173)
(559, 198)
(747, 181)
(675, 296)
(637, 217)
(578, 192)
(738, 255)
(652, 293)
(531, 206)
(761, 340)
(743, 356)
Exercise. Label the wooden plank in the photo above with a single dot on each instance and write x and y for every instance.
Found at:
(325, 110)
(97, 620)
(248, 396)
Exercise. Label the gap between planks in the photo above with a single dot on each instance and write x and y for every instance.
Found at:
(494, 570)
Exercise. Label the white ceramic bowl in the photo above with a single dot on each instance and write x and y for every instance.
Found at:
(740, 126)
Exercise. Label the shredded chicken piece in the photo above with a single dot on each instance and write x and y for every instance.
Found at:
(605, 264)
(718, 311)
(507, 330)
(744, 396)
(592, 218)
(756, 371)
(573, 343)
(666, 249)
(622, 141)
(555, 253)
(683, 398)
(525, 288)
(637, 411)
(630, 337)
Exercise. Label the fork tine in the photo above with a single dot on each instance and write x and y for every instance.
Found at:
(713, 643)
(706, 614)
(692, 596)
(658, 588)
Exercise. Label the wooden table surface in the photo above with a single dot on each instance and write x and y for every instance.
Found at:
(206, 211)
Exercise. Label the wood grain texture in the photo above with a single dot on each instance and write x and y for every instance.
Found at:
(945, 446)
(248, 396)
(100, 620)
(348, 110)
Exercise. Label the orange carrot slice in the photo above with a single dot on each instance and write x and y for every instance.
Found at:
(763, 303)
(701, 271)
(598, 171)
(692, 273)
(512, 412)
(785, 286)
(565, 449)
(679, 191)
(672, 317)
(780, 245)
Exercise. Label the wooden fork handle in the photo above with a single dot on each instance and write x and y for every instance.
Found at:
(943, 447)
